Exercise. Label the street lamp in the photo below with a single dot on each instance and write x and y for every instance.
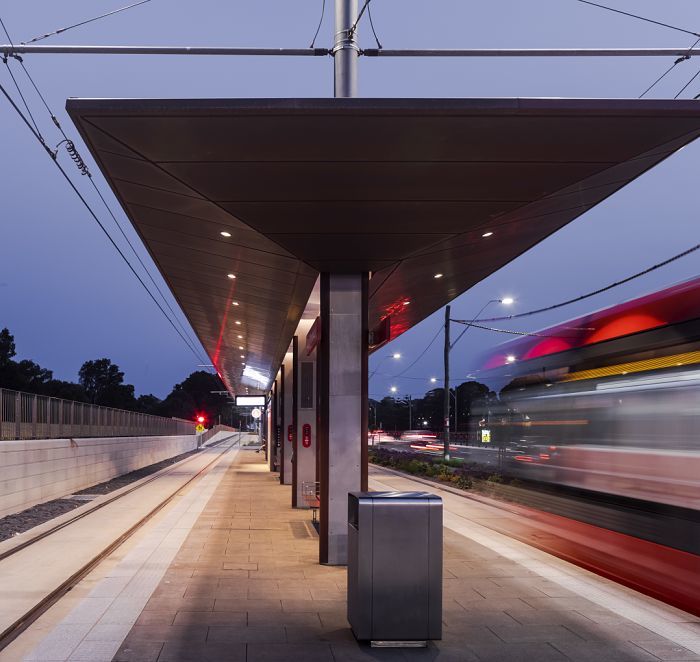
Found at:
(506, 301)
(395, 356)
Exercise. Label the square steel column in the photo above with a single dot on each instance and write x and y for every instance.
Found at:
(342, 406)
(286, 447)
(306, 438)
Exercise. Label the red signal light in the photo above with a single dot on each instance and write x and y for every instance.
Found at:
(200, 419)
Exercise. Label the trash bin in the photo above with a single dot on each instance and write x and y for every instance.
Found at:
(395, 567)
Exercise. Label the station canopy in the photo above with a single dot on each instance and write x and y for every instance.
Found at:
(274, 191)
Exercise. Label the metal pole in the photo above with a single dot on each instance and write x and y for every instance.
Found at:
(68, 49)
(446, 412)
(530, 52)
(410, 418)
(345, 49)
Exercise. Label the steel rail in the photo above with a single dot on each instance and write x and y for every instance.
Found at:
(21, 624)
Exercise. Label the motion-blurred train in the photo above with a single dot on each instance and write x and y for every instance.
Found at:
(602, 414)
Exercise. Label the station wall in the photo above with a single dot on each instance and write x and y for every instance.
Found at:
(39, 470)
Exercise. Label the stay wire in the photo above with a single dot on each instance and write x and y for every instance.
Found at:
(353, 27)
(588, 295)
(371, 23)
(18, 110)
(509, 332)
(89, 20)
(641, 18)
(682, 58)
(82, 166)
(320, 23)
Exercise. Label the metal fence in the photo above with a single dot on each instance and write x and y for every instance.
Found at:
(31, 416)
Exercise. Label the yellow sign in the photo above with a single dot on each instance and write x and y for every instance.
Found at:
(486, 436)
(200, 428)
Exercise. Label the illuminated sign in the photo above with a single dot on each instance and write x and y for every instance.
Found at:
(250, 401)
(486, 436)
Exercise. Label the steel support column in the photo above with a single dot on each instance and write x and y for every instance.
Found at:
(342, 406)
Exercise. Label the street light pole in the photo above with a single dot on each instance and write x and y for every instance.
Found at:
(446, 403)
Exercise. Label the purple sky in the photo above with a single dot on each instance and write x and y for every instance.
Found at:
(65, 293)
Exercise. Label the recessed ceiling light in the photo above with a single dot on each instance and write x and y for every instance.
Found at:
(433, 380)
(242, 356)
(225, 234)
(240, 347)
(231, 276)
(510, 358)
(437, 276)
(405, 303)
(238, 322)
(487, 234)
(240, 337)
(235, 303)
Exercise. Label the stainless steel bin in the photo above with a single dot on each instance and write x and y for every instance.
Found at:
(395, 566)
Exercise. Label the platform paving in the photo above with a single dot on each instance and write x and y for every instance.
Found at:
(230, 572)
(246, 585)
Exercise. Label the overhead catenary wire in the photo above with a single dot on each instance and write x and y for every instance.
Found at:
(697, 73)
(682, 58)
(637, 16)
(18, 110)
(85, 22)
(600, 290)
(82, 166)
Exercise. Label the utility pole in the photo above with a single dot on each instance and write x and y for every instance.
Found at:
(410, 418)
(446, 404)
(345, 49)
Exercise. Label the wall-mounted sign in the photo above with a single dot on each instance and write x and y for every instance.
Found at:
(256, 413)
(380, 334)
(250, 401)
(313, 337)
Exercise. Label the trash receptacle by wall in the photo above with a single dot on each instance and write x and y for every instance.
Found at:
(395, 567)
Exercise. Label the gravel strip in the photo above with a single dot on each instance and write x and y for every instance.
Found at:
(17, 523)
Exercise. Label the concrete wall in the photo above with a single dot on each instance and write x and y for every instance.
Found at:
(34, 471)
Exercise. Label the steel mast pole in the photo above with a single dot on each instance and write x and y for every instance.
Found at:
(345, 49)
(446, 404)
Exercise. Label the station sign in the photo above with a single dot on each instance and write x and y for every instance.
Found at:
(313, 337)
(250, 401)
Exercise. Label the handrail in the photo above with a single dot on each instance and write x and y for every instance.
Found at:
(34, 416)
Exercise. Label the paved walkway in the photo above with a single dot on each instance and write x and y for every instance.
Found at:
(245, 585)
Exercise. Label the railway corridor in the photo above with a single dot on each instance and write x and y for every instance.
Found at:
(230, 572)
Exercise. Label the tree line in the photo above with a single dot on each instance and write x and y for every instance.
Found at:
(397, 414)
(101, 382)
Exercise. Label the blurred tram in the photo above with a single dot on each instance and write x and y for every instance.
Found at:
(601, 416)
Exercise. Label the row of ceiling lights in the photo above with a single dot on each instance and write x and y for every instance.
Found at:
(486, 235)
(227, 235)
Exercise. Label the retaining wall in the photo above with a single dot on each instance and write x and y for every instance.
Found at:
(38, 470)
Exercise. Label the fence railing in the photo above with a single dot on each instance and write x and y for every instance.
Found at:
(31, 416)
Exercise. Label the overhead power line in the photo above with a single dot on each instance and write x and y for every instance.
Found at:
(52, 155)
(85, 22)
(588, 295)
(81, 165)
(641, 18)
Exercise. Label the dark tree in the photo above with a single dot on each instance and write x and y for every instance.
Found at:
(148, 404)
(194, 396)
(7, 347)
(104, 384)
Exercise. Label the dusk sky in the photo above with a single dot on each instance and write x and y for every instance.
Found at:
(65, 293)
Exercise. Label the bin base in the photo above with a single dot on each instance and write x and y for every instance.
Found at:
(398, 644)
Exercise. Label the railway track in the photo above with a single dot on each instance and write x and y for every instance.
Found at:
(30, 614)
